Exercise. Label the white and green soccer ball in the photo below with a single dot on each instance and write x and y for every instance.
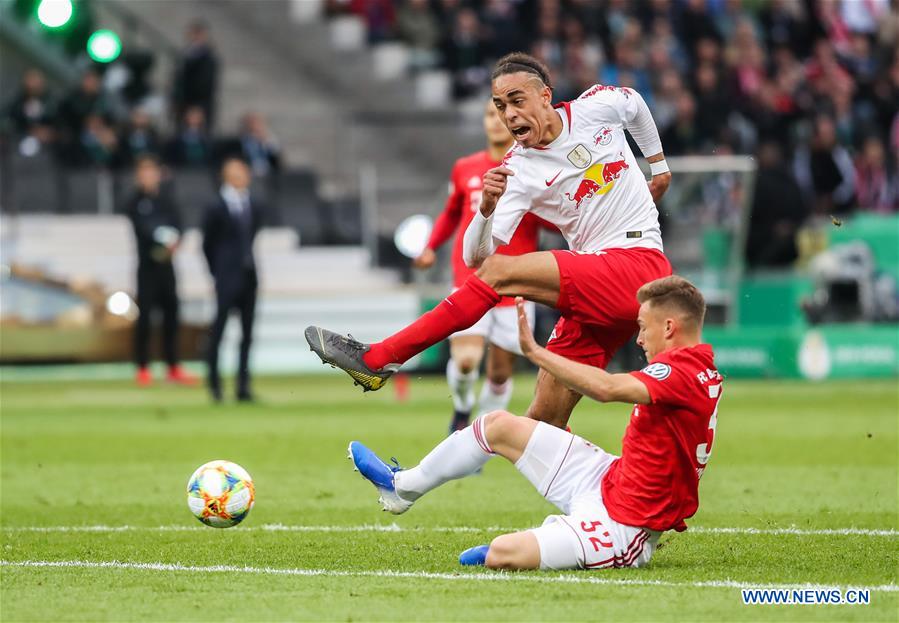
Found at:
(220, 494)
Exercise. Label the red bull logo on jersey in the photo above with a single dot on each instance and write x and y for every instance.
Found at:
(598, 180)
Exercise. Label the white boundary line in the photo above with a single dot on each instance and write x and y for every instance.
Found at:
(449, 529)
(476, 576)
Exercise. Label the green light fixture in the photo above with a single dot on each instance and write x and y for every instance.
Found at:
(104, 46)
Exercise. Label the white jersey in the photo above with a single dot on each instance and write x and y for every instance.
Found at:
(587, 181)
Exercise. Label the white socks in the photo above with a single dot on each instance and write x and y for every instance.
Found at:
(494, 397)
(459, 455)
(462, 386)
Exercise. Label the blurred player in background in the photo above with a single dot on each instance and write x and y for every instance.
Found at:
(614, 508)
(157, 233)
(498, 327)
(573, 167)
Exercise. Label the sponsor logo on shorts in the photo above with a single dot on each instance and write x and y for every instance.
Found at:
(658, 371)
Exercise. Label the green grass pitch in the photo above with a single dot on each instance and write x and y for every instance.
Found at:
(792, 460)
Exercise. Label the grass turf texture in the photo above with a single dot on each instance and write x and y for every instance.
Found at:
(105, 453)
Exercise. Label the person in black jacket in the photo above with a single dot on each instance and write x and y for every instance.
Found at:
(157, 232)
(229, 227)
(32, 111)
(196, 79)
(778, 211)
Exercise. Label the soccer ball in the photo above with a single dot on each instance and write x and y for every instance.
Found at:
(220, 494)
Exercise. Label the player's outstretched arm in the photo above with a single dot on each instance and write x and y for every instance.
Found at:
(445, 225)
(639, 122)
(592, 382)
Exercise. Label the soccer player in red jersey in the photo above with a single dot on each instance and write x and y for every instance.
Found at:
(613, 508)
(499, 326)
(572, 166)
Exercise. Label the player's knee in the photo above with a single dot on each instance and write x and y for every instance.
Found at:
(500, 426)
(466, 359)
(494, 271)
(501, 554)
(506, 552)
(498, 374)
(498, 379)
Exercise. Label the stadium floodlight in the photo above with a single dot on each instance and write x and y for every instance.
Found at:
(104, 46)
(119, 304)
(54, 13)
(411, 236)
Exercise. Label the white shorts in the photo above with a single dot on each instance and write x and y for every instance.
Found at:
(500, 326)
(567, 470)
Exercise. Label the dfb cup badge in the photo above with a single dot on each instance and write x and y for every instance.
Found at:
(580, 157)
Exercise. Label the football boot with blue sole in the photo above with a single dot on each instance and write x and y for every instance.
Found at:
(380, 474)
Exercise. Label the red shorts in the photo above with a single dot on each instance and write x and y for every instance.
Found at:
(598, 300)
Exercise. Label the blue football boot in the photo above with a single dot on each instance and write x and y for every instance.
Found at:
(380, 474)
(474, 556)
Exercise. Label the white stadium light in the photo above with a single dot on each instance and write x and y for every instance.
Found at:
(412, 235)
(54, 13)
(119, 304)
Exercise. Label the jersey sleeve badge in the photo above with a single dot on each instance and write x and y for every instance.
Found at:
(658, 371)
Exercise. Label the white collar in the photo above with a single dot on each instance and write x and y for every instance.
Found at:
(231, 194)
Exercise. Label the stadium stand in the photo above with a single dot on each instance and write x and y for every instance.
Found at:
(373, 107)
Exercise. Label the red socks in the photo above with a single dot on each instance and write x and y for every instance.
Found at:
(458, 311)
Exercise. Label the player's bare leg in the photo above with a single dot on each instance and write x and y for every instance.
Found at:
(515, 551)
(534, 276)
(500, 365)
(466, 353)
(553, 402)
(459, 455)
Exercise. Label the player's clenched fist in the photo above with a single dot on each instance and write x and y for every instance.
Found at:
(494, 187)
(425, 260)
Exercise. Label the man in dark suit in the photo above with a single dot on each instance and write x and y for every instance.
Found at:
(157, 232)
(196, 78)
(229, 227)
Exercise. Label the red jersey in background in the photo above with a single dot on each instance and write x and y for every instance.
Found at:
(465, 188)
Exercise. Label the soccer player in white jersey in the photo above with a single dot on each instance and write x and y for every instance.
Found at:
(613, 508)
(499, 326)
(572, 166)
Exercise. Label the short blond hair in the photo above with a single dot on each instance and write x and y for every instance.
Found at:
(674, 292)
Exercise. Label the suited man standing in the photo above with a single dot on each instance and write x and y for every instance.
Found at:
(157, 232)
(229, 227)
(196, 78)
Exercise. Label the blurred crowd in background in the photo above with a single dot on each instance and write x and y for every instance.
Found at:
(106, 121)
(812, 86)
